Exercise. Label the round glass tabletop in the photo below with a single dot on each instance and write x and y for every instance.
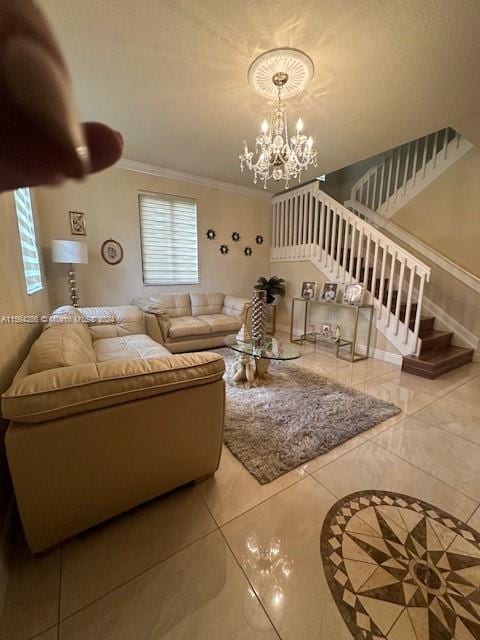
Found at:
(272, 349)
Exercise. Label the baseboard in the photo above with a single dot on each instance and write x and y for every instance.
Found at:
(377, 354)
(6, 551)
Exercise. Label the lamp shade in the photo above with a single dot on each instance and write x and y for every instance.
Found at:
(69, 251)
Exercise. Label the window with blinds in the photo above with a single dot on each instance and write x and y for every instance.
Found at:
(168, 227)
(28, 241)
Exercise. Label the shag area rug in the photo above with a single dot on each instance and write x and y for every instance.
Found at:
(291, 416)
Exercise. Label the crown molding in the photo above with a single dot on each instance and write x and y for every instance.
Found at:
(163, 172)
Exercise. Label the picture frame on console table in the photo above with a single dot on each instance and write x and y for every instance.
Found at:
(353, 294)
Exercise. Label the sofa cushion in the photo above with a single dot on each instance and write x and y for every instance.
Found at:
(61, 345)
(72, 390)
(108, 322)
(206, 303)
(187, 326)
(221, 323)
(175, 304)
(235, 306)
(127, 348)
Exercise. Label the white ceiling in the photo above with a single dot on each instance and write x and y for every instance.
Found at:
(172, 75)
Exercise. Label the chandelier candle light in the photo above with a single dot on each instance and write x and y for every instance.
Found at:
(273, 74)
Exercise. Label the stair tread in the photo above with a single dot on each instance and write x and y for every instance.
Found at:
(440, 355)
(434, 335)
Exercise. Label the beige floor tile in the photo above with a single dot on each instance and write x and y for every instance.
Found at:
(468, 394)
(475, 520)
(461, 419)
(104, 558)
(234, 490)
(445, 456)
(278, 546)
(31, 601)
(383, 426)
(390, 388)
(199, 593)
(370, 466)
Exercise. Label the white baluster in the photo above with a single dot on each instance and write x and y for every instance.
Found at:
(322, 230)
(327, 232)
(408, 309)
(374, 271)
(389, 184)
(339, 238)
(282, 226)
(382, 280)
(418, 312)
(345, 248)
(315, 225)
(435, 153)
(367, 259)
(424, 160)
(295, 226)
(333, 238)
(352, 252)
(391, 284)
(310, 225)
(415, 159)
(458, 138)
(399, 295)
(445, 144)
(359, 254)
(405, 173)
(397, 172)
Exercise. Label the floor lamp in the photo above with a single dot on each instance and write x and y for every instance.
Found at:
(70, 252)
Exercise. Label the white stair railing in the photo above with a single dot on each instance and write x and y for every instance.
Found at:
(310, 225)
(406, 170)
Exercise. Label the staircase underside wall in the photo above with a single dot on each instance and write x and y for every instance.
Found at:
(296, 272)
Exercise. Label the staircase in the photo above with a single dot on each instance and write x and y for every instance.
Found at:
(405, 171)
(383, 190)
(310, 225)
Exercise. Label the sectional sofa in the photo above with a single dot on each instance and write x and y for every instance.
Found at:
(104, 417)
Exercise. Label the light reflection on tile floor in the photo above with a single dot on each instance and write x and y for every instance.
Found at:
(234, 560)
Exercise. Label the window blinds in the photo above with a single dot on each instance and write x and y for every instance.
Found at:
(168, 227)
(28, 241)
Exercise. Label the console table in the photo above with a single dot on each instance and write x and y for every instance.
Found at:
(346, 348)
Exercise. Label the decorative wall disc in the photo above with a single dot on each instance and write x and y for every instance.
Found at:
(400, 568)
(293, 62)
(112, 251)
(235, 236)
(211, 234)
(223, 249)
(259, 239)
(248, 251)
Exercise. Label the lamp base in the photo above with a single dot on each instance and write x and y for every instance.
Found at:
(72, 286)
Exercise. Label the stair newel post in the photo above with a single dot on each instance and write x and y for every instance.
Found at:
(408, 310)
(399, 294)
(382, 281)
(391, 284)
(418, 313)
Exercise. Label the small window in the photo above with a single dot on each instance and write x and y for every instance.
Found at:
(168, 228)
(28, 241)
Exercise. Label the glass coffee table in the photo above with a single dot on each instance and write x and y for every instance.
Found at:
(254, 360)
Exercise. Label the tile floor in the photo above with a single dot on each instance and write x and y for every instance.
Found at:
(233, 560)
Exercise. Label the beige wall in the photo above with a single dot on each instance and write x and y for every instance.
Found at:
(446, 215)
(110, 202)
(15, 339)
(297, 272)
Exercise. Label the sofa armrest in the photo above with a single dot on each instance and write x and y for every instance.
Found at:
(237, 307)
(70, 390)
(157, 325)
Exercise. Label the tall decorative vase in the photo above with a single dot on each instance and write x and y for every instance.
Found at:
(259, 301)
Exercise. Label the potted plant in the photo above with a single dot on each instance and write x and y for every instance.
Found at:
(274, 286)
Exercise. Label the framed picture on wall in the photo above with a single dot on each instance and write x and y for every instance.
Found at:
(112, 251)
(77, 223)
(309, 290)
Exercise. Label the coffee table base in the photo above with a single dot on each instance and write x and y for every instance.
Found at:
(247, 368)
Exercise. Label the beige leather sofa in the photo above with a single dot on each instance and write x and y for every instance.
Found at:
(104, 418)
(191, 321)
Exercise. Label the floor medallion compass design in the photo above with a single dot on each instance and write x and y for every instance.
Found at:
(401, 569)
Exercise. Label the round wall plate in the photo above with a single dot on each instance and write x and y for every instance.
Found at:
(294, 62)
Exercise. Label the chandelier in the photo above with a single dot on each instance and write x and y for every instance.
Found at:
(275, 74)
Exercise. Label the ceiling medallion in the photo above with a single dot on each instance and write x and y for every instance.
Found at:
(279, 74)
